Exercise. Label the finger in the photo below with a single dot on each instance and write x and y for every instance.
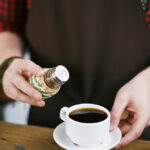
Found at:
(26, 88)
(129, 120)
(16, 94)
(27, 74)
(117, 110)
(135, 131)
(28, 66)
(125, 128)
(148, 123)
(122, 122)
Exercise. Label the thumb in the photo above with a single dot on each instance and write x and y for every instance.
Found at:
(119, 106)
(29, 66)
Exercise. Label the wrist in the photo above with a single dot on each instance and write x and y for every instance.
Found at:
(3, 67)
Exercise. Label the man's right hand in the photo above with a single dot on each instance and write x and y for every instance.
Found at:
(15, 82)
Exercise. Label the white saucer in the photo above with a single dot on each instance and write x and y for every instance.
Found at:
(62, 140)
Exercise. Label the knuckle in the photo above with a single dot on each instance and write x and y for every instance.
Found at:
(27, 99)
(18, 84)
(30, 91)
(122, 92)
(28, 62)
(34, 66)
(7, 90)
(31, 65)
(23, 63)
(22, 98)
(16, 94)
(30, 101)
(121, 97)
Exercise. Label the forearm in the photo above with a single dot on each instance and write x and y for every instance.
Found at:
(10, 45)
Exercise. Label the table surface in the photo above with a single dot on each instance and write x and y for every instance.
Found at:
(27, 137)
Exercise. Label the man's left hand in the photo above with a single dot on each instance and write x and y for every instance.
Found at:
(133, 97)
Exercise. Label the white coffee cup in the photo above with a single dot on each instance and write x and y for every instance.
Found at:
(85, 134)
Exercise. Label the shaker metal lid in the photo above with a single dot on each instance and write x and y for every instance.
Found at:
(61, 73)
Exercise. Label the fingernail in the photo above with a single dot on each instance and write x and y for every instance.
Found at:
(36, 96)
(112, 126)
(40, 103)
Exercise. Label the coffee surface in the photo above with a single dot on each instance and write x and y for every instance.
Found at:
(88, 115)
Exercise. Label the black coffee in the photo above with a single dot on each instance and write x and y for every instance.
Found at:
(88, 115)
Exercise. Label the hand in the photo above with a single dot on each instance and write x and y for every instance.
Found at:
(133, 97)
(15, 82)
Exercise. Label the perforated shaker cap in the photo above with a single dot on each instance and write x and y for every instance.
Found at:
(60, 74)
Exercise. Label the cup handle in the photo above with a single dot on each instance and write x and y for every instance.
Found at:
(63, 113)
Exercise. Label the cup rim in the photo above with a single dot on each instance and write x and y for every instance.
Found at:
(89, 105)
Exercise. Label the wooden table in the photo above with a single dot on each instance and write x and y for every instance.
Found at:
(21, 137)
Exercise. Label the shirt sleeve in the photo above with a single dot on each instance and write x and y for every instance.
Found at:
(13, 15)
(147, 14)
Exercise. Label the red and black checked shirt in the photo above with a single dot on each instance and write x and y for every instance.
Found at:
(13, 14)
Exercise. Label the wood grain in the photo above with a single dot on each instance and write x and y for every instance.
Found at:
(21, 137)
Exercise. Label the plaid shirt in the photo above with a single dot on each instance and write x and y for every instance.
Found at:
(13, 14)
